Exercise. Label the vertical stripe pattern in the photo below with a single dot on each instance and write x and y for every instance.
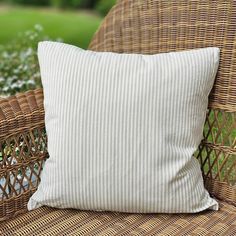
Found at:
(122, 129)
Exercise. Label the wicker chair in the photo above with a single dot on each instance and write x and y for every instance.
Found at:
(132, 26)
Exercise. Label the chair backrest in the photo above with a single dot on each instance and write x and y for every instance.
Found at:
(155, 26)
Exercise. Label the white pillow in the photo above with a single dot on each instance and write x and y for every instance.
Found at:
(122, 129)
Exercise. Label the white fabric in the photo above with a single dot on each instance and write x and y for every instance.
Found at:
(122, 129)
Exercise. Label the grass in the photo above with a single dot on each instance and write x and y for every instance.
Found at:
(74, 27)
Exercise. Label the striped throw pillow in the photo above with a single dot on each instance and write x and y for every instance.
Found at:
(122, 129)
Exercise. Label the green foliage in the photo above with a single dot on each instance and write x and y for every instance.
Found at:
(60, 3)
(56, 3)
(73, 3)
(104, 6)
(30, 2)
(19, 69)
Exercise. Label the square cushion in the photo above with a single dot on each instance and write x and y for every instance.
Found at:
(122, 129)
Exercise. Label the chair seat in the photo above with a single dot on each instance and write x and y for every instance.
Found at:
(49, 221)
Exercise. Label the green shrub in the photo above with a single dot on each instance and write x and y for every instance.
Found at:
(30, 2)
(57, 3)
(19, 69)
(104, 6)
(73, 3)
(61, 3)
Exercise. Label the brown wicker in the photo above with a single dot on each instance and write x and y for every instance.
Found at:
(48, 221)
(23, 150)
(132, 26)
(155, 26)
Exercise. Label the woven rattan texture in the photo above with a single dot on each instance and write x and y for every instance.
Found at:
(21, 112)
(217, 154)
(154, 26)
(149, 26)
(47, 221)
(23, 150)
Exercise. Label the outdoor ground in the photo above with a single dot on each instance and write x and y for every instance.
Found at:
(74, 27)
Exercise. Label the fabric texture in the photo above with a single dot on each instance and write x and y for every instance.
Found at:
(122, 129)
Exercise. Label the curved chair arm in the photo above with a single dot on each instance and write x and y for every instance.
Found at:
(217, 154)
(23, 150)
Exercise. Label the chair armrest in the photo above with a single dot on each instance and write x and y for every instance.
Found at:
(217, 154)
(23, 150)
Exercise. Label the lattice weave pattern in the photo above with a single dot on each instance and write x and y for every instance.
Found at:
(23, 150)
(217, 154)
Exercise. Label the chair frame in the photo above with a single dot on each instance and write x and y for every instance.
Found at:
(134, 27)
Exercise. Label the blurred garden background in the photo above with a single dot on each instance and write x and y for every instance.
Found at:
(23, 23)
